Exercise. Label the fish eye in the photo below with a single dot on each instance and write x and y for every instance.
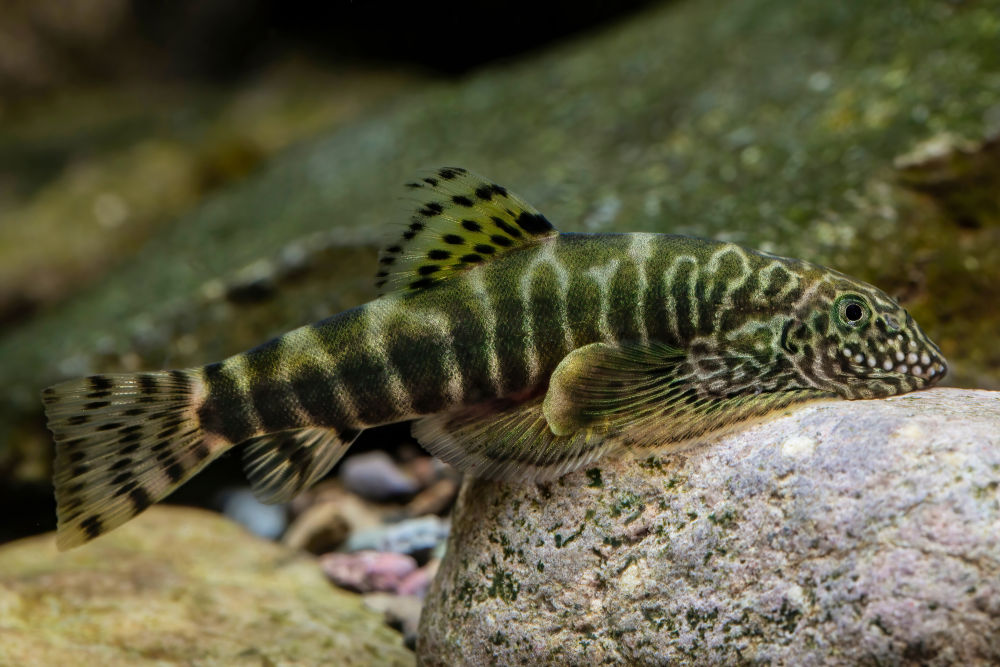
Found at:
(852, 311)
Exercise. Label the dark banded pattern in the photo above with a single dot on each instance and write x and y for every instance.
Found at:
(522, 353)
(315, 391)
(227, 411)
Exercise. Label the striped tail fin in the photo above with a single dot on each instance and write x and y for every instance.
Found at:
(123, 442)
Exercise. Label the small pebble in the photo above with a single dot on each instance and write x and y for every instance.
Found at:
(405, 537)
(402, 612)
(359, 513)
(425, 469)
(375, 476)
(435, 499)
(242, 506)
(319, 529)
(368, 571)
(417, 582)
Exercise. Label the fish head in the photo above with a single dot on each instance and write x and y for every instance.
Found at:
(854, 340)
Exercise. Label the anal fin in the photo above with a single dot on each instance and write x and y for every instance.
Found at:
(281, 465)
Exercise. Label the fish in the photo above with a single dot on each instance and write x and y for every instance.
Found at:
(518, 353)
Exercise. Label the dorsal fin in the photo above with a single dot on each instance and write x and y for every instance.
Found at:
(461, 220)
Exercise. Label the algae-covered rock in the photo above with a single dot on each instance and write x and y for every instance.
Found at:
(181, 586)
(775, 123)
(864, 532)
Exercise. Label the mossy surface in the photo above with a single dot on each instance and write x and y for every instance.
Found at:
(181, 586)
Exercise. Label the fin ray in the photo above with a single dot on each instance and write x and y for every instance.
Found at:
(123, 442)
(280, 465)
(461, 220)
(649, 394)
(508, 441)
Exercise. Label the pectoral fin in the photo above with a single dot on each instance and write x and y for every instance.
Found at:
(601, 385)
(600, 399)
(648, 394)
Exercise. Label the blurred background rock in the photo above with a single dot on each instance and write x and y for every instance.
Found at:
(182, 180)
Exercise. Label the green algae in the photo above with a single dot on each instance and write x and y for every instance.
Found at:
(503, 585)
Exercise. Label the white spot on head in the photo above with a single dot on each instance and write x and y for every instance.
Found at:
(847, 352)
(925, 360)
(917, 370)
(887, 365)
(859, 358)
(900, 356)
(900, 338)
(911, 358)
(871, 362)
(901, 368)
(913, 344)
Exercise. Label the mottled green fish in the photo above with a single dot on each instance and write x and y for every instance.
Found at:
(521, 352)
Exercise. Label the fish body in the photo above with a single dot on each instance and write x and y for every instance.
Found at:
(520, 352)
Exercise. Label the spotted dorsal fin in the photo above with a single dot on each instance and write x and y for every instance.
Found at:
(461, 220)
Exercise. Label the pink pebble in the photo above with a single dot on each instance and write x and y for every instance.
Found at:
(417, 582)
(368, 571)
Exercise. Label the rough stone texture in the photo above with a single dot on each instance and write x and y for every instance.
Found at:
(181, 586)
(863, 532)
(769, 122)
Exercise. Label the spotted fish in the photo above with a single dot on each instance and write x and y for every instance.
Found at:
(521, 353)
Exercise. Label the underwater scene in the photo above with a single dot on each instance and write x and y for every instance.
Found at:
(629, 333)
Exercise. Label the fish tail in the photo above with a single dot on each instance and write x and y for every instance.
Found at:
(123, 442)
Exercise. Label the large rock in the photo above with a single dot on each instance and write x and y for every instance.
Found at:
(181, 586)
(863, 532)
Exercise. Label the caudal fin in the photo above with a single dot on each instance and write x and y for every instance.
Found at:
(123, 442)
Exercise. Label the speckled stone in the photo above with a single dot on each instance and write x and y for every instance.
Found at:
(864, 532)
(181, 586)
